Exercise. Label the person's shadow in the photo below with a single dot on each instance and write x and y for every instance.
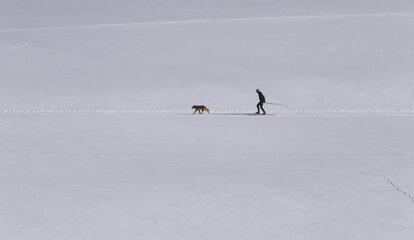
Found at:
(229, 114)
(241, 114)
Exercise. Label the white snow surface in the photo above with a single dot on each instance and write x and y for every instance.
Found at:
(98, 140)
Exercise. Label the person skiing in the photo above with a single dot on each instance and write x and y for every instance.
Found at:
(261, 101)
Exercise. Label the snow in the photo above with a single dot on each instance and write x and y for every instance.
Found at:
(98, 140)
(43, 13)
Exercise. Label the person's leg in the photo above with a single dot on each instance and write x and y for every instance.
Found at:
(261, 106)
(258, 110)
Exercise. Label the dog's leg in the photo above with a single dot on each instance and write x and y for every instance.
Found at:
(194, 111)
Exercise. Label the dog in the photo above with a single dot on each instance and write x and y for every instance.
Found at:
(200, 109)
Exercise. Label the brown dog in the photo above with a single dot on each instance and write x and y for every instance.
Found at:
(200, 109)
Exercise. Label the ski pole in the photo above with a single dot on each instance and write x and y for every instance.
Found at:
(277, 104)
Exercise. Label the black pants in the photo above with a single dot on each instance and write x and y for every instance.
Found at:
(260, 104)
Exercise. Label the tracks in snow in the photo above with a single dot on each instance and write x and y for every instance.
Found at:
(277, 113)
(13, 49)
(383, 153)
(393, 184)
(210, 20)
(70, 154)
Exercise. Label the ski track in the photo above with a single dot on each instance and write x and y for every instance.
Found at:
(13, 49)
(393, 184)
(71, 154)
(99, 154)
(280, 113)
(195, 21)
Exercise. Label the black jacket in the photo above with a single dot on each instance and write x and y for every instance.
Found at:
(261, 97)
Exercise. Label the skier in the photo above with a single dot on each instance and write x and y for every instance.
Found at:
(261, 101)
